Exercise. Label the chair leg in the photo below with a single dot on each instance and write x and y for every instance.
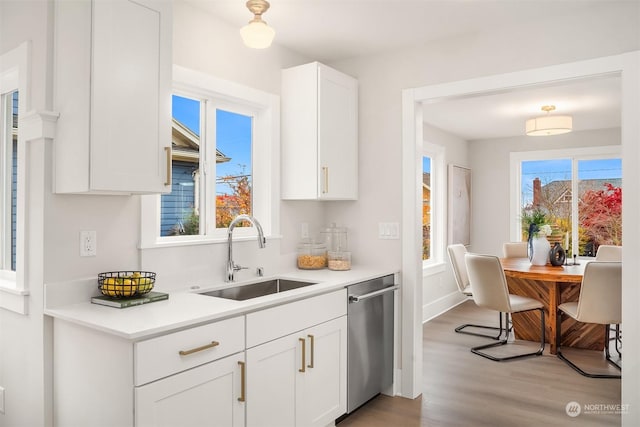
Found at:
(573, 365)
(476, 350)
(500, 329)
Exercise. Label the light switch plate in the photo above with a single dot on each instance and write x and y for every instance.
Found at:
(388, 230)
(1, 400)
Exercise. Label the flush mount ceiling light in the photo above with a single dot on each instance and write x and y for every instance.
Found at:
(548, 125)
(257, 34)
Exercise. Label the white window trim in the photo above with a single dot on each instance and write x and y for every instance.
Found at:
(14, 66)
(437, 154)
(573, 154)
(266, 178)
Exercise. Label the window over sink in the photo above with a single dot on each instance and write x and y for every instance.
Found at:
(223, 161)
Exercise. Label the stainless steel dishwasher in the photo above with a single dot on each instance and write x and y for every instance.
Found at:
(370, 339)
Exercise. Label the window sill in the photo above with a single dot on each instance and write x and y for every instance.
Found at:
(12, 298)
(195, 241)
(433, 268)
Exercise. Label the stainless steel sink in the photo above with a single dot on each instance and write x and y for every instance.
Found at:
(254, 290)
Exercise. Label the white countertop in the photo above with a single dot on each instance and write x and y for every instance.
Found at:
(71, 301)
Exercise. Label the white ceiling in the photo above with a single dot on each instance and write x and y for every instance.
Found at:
(330, 30)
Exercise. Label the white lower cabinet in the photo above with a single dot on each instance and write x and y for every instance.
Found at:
(209, 395)
(300, 379)
(280, 366)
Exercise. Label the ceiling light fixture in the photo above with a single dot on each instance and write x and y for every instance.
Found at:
(549, 125)
(257, 34)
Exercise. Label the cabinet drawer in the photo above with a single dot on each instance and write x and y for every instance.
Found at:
(172, 353)
(272, 323)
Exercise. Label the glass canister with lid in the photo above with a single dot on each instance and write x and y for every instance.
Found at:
(338, 256)
(311, 255)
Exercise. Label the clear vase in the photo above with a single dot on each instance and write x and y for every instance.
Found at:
(539, 250)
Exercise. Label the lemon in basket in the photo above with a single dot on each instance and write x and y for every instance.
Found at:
(110, 287)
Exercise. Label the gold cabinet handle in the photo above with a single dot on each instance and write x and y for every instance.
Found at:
(310, 365)
(197, 349)
(169, 168)
(243, 382)
(304, 354)
(325, 176)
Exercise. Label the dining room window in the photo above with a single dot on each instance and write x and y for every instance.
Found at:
(433, 202)
(579, 194)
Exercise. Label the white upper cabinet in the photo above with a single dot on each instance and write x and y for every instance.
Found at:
(319, 134)
(112, 88)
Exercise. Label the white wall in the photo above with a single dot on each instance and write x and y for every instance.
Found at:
(490, 168)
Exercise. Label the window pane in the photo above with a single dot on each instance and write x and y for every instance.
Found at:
(234, 135)
(179, 211)
(426, 208)
(600, 204)
(546, 189)
(14, 176)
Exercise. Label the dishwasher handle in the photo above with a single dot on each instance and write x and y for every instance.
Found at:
(358, 298)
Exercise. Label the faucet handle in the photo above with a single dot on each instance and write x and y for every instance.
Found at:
(237, 267)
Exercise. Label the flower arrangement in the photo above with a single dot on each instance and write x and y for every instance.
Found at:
(543, 230)
(538, 225)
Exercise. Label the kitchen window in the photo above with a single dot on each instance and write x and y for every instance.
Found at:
(548, 183)
(13, 93)
(223, 159)
(8, 180)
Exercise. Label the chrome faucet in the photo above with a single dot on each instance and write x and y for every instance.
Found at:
(232, 267)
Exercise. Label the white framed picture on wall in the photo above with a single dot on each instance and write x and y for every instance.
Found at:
(459, 205)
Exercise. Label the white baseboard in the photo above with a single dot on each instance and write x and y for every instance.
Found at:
(441, 305)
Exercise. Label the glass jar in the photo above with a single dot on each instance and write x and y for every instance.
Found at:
(312, 256)
(335, 238)
(339, 261)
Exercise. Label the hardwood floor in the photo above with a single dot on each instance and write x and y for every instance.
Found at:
(463, 389)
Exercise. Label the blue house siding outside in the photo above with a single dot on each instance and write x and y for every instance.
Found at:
(14, 182)
(178, 205)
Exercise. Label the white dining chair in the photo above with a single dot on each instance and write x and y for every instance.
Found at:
(456, 257)
(515, 250)
(600, 302)
(490, 291)
(609, 253)
(612, 253)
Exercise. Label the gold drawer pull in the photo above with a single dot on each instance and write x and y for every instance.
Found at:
(243, 381)
(169, 166)
(304, 354)
(197, 349)
(310, 365)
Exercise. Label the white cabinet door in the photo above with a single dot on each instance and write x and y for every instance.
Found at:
(319, 134)
(112, 88)
(323, 395)
(300, 379)
(204, 396)
(337, 135)
(273, 380)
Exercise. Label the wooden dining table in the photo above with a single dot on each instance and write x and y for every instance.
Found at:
(551, 285)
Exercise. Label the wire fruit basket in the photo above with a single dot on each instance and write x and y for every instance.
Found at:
(126, 284)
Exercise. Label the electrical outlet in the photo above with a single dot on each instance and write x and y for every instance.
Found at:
(304, 230)
(88, 243)
(1, 400)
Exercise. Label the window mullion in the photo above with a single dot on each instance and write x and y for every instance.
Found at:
(575, 240)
